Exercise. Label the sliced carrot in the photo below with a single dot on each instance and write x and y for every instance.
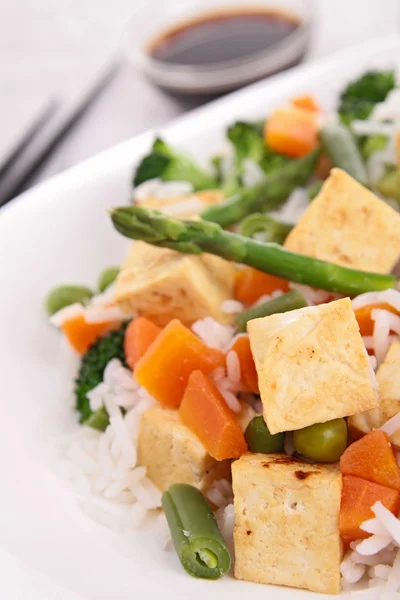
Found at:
(248, 373)
(364, 318)
(372, 458)
(307, 102)
(139, 336)
(291, 131)
(81, 335)
(206, 413)
(251, 284)
(358, 496)
(165, 368)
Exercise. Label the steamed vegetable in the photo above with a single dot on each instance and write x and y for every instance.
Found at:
(314, 189)
(248, 373)
(197, 540)
(195, 237)
(206, 413)
(165, 368)
(167, 164)
(267, 195)
(251, 284)
(107, 277)
(340, 146)
(364, 316)
(90, 374)
(322, 442)
(290, 301)
(372, 144)
(372, 458)
(81, 334)
(264, 227)
(139, 336)
(292, 131)
(259, 439)
(358, 495)
(65, 295)
(389, 184)
(306, 102)
(248, 142)
(360, 96)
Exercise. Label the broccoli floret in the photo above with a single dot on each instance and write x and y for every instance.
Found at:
(361, 95)
(167, 164)
(248, 142)
(91, 374)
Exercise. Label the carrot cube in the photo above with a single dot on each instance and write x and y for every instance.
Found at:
(139, 336)
(372, 458)
(165, 368)
(358, 496)
(206, 413)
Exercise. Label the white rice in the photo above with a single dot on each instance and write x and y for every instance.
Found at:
(252, 173)
(370, 127)
(114, 490)
(186, 208)
(384, 323)
(391, 297)
(67, 313)
(389, 109)
(232, 307)
(312, 295)
(294, 207)
(157, 188)
(376, 560)
(233, 366)
(213, 333)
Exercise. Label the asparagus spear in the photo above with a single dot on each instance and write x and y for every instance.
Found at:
(267, 195)
(195, 237)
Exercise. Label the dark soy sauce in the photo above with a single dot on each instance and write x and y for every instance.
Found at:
(223, 37)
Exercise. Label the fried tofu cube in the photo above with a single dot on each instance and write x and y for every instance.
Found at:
(348, 225)
(388, 376)
(171, 453)
(287, 522)
(185, 206)
(162, 284)
(312, 366)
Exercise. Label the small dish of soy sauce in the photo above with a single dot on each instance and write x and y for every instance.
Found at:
(215, 46)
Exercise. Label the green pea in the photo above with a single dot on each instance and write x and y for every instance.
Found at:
(259, 439)
(322, 442)
(107, 277)
(64, 295)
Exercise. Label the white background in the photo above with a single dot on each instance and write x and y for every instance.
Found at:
(50, 47)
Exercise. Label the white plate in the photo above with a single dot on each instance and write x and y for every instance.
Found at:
(58, 232)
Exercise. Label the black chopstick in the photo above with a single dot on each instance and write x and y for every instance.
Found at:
(39, 147)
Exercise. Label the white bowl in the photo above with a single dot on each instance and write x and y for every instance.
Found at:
(60, 231)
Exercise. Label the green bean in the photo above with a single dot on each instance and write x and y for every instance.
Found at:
(322, 442)
(197, 540)
(107, 277)
(272, 230)
(64, 295)
(341, 147)
(290, 301)
(259, 439)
